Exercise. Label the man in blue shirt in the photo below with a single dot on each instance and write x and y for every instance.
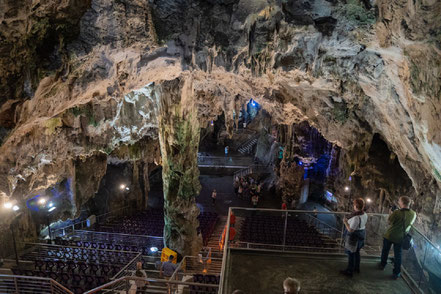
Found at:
(168, 268)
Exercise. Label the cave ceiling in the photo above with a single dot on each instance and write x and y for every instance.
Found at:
(85, 77)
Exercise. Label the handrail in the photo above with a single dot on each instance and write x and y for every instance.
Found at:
(128, 278)
(49, 280)
(427, 240)
(119, 234)
(224, 257)
(126, 266)
(303, 211)
(323, 223)
(72, 246)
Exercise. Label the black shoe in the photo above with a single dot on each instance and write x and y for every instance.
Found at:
(396, 277)
(381, 266)
(357, 271)
(346, 273)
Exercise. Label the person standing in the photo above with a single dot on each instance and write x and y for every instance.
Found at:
(355, 225)
(140, 284)
(284, 206)
(168, 268)
(400, 222)
(213, 196)
(226, 151)
(255, 200)
(240, 191)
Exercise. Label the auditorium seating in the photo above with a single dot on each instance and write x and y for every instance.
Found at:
(151, 223)
(78, 269)
(270, 229)
(205, 279)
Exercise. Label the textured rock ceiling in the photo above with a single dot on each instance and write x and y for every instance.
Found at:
(85, 76)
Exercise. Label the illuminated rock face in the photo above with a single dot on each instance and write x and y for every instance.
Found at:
(347, 70)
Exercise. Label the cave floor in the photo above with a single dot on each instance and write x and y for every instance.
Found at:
(264, 272)
(226, 197)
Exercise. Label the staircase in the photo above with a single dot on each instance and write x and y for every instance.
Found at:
(247, 147)
(213, 242)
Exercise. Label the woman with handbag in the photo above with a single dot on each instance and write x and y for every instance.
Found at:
(355, 225)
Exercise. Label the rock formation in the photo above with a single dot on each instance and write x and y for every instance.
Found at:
(352, 69)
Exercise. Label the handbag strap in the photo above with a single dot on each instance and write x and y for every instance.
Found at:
(404, 223)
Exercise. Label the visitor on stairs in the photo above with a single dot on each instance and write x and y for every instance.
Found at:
(240, 192)
(168, 268)
(355, 225)
(213, 196)
(400, 222)
(226, 151)
(236, 185)
(232, 220)
(139, 286)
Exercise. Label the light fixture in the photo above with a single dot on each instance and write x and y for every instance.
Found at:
(368, 200)
(50, 204)
(127, 188)
(8, 205)
(15, 208)
(153, 249)
(122, 187)
(212, 123)
(346, 188)
(42, 201)
(52, 209)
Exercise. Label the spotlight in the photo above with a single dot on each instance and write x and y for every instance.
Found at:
(153, 249)
(50, 204)
(8, 205)
(350, 178)
(127, 188)
(212, 123)
(52, 209)
(368, 200)
(122, 187)
(42, 201)
(346, 188)
(300, 163)
(15, 208)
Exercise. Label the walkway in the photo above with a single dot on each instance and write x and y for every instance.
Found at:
(264, 272)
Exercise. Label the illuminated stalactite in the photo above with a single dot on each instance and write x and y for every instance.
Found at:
(179, 134)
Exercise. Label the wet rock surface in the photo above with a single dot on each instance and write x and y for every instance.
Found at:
(349, 69)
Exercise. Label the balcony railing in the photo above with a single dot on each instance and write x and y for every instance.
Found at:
(25, 284)
(275, 230)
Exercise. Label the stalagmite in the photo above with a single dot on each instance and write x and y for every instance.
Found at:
(179, 134)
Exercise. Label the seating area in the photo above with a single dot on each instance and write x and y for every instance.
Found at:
(267, 229)
(151, 223)
(78, 269)
(113, 241)
(205, 279)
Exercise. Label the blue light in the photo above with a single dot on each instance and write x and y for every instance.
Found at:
(350, 178)
(154, 249)
(300, 163)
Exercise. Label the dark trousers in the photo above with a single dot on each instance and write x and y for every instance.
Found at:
(397, 255)
(354, 258)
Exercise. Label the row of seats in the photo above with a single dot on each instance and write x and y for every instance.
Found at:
(205, 279)
(270, 230)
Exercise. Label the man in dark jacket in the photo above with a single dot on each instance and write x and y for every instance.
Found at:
(400, 222)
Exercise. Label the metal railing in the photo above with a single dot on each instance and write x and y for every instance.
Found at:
(83, 224)
(24, 284)
(422, 263)
(129, 284)
(255, 168)
(118, 238)
(224, 161)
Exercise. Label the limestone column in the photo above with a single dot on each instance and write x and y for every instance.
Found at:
(179, 133)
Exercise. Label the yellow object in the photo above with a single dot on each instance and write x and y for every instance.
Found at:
(166, 252)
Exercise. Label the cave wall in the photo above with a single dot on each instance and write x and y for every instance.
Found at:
(350, 70)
